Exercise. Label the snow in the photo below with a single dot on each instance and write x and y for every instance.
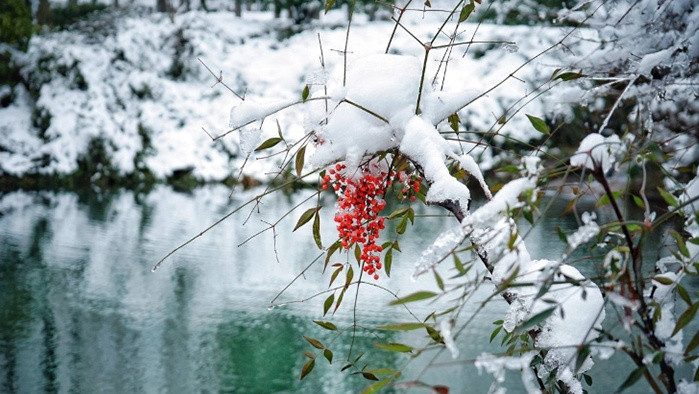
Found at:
(586, 232)
(597, 150)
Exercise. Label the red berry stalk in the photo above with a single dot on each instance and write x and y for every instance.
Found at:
(359, 203)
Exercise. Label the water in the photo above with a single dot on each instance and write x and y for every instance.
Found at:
(81, 311)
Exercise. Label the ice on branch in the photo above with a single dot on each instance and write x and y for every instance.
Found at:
(497, 366)
(586, 232)
(249, 111)
(597, 150)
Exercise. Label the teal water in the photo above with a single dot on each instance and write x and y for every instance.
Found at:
(81, 311)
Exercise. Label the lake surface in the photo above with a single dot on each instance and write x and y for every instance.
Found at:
(81, 311)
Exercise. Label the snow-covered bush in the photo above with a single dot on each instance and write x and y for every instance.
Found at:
(388, 127)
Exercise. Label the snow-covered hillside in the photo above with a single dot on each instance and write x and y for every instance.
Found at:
(134, 85)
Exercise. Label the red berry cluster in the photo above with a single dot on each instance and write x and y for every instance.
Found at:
(359, 204)
(411, 185)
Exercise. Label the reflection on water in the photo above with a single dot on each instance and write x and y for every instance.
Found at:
(81, 311)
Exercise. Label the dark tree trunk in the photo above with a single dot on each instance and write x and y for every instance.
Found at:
(277, 9)
(238, 7)
(43, 13)
(161, 6)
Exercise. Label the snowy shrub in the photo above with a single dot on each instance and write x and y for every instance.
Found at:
(389, 131)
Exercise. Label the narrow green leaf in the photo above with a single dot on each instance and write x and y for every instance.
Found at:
(536, 319)
(454, 121)
(417, 296)
(307, 368)
(394, 347)
(440, 282)
(631, 379)
(305, 93)
(639, 202)
(692, 344)
(316, 231)
(458, 264)
(328, 5)
(326, 325)
(388, 262)
(685, 318)
(377, 386)
(314, 342)
(331, 250)
(369, 376)
(306, 217)
(398, 212)
(663, 280)
(300, 157)
(588, 379)
(581, 357)
(339, 300)
(684, 295)
(334, 275)
(328, 303)
(402, 326)
(466, 11)
(349, 277)
(328, 355)
(495, 333)
(345, 367)
(308, 354)
(539, 125)
(268, 144)
(357, 253)
(569, 76)
(681, 246)
(555, 72)
(561, 235)
(669, 198)
(402, 225)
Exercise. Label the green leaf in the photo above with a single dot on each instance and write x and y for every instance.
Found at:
(539, 125)
(663, 280)
(555, 72)
(495, 333)
(454, 121)
(588, 379)
(402, 225)
(345, 367)
(466, 11)
(328, 5)
(561, 235)
(300, 157)
(398, 212)
(394, 347)
(669, 198)
(307, 368)
(458, 264)
(681, 246)
(348, 277)
(316, 231)
(357, 253)
(326, 325)
(581, 357)
(402, 326)
(268, 144)
(536, 319)
(314, 342)
(440, 282)
(305, 93)
(631, 379)
(417, 296)
(387, 262)
(377, 386)
(308, 354)
(369, 376)
(331, 250)
(328, 355)
(692, 344)
(685, 318)
(328, 303)
(339, 300)
(639, 202)
(306, 217)
(334, 275)
(684, 295)
(569, 76)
